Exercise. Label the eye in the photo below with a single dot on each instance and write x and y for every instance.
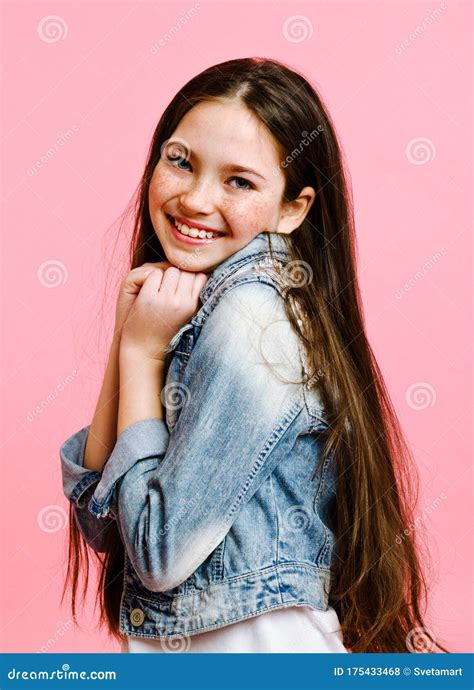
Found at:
(177, 160)
(246, 182)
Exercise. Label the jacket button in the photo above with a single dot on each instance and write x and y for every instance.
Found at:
(137, 617)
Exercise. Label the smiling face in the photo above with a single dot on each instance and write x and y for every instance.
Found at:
(219, 171)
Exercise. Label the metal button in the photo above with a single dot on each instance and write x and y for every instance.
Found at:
(137, 617)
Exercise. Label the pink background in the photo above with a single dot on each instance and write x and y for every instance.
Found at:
(386, 84)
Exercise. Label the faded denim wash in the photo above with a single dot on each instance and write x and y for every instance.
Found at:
(216, 505)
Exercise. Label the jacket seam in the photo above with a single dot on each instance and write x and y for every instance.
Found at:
(253, 614)
(257, 255)
(277, 526)
(244, 576)
(82, 486)
(234, 278)
(267, 449)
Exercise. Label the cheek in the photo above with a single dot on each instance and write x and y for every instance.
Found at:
(162, 188)
(250, 215)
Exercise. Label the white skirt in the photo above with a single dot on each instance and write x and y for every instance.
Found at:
(293, 629)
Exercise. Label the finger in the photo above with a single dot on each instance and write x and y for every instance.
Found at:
(134, 281)
(186, 283)
(152, 282)
(197, 285)
(170, 280)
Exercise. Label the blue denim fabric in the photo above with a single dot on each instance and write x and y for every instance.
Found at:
(219, 511)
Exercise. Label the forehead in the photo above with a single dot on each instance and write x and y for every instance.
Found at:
(229, 132)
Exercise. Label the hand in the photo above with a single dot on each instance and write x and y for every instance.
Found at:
(167, 299)
(128, 292)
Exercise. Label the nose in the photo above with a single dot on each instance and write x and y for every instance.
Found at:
(197, 198)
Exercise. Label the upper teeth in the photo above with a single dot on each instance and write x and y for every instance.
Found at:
(194, 232)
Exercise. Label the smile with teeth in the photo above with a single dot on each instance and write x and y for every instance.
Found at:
(194, 232)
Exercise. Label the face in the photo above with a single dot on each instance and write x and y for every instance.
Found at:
(218, 173)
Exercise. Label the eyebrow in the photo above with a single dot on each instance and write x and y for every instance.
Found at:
(240, 168)
(232, 167)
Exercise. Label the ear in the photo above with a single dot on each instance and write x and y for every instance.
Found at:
(294, 212)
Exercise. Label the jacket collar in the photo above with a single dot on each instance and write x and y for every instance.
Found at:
(258, 247)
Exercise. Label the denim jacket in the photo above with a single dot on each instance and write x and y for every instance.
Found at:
(219, 508)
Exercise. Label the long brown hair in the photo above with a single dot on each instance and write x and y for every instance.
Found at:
(377, 585)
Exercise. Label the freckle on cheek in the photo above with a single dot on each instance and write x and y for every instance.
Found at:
(255, 218)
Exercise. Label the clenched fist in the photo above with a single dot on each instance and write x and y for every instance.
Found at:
(155, 302)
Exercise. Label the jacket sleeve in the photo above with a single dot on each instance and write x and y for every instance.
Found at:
(136, 441)
(78, 485)
(176, 495)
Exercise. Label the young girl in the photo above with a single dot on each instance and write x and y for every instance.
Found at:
(244, 480)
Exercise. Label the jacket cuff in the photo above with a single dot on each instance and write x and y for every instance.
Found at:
(76, 478)
(144, 439)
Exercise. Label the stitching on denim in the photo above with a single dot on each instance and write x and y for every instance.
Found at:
(297, 566)
(267, 449)
(83, 485)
